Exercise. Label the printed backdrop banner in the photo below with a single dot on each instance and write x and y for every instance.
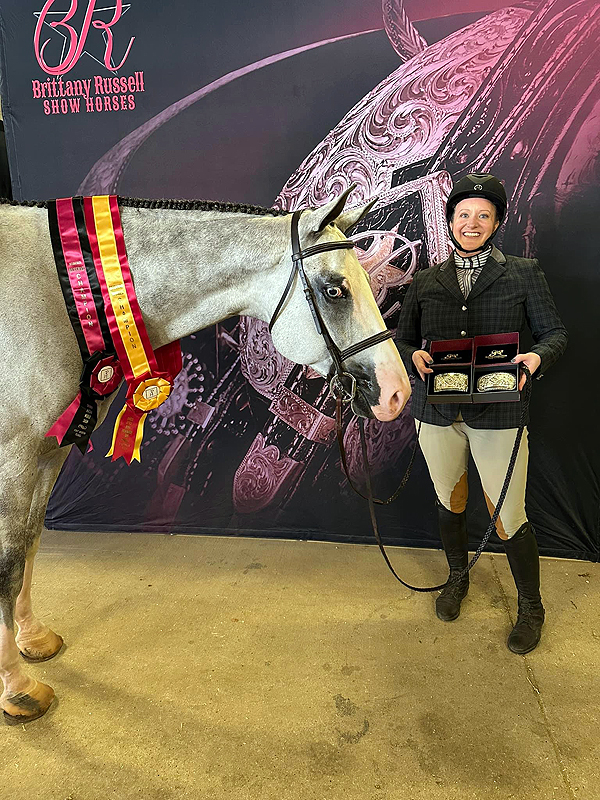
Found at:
(287, 104)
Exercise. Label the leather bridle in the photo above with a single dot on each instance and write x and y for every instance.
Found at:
(342, 384)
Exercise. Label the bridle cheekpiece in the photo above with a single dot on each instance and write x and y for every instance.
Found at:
(342, 384)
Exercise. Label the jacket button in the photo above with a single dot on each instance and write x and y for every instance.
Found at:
(464, 308)
(463, 333)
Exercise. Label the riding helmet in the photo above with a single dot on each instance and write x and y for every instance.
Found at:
(478, 185)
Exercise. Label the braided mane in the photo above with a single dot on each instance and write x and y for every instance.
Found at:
(176, 205)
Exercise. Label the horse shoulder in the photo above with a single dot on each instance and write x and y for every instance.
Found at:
(39, 353)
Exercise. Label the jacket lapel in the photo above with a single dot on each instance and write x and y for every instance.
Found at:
(446, 275)
(494, 267)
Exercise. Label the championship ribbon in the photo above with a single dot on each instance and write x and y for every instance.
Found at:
(83, 298)
(149, 375)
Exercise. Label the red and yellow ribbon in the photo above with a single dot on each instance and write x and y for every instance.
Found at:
(150, 375)
(80, 287)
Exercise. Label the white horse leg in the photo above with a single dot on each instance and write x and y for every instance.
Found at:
(23, 697)
(34, 639)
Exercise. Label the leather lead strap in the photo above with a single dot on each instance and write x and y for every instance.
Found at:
(340, 440)
(372, 500)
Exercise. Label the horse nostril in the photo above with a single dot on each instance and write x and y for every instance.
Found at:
(397, 402)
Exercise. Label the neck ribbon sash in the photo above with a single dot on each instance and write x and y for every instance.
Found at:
(94, 275)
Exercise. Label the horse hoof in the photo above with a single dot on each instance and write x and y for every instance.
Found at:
(41, 647)
(27, 706)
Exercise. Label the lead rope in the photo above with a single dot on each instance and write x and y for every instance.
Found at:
(372, 500)
(340, 440)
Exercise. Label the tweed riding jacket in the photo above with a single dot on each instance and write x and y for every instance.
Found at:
(510, 294)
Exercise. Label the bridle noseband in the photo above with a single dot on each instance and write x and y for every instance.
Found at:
(342, 384)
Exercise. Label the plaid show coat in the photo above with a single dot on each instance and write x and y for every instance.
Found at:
(510, 294)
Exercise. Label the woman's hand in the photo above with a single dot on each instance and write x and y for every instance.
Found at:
(531, 360)
(420, 359)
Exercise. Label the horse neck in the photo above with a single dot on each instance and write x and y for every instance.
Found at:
(195, 268)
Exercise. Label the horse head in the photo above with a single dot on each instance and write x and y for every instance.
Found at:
(327, 301)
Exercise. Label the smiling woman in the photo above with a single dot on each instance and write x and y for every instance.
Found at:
(475, 210)
(473, 223)
(479, 291)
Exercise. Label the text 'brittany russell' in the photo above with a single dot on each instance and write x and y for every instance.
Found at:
(97, 93)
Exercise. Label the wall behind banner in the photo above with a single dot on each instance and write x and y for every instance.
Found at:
(245, 103)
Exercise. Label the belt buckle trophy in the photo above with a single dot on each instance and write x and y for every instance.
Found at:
(451, 382)
(497, 382)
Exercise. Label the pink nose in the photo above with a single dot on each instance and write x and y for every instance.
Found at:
(397, 402)
(387, 411)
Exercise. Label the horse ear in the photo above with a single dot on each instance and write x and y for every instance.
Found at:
(322, 216)
(334, 212)
(354, 215)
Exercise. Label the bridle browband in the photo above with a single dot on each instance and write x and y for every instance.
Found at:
(336, 386)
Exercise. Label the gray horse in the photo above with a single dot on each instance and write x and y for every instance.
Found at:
(192, 268)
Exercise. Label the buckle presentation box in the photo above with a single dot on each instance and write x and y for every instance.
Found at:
(452, 358)
(475, 370)
(495, 379)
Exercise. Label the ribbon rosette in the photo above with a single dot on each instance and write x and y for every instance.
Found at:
(151, 393)
(106, 375)
(142, 396)
(85, 306)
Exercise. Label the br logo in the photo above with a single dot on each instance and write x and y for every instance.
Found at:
(74, 41)
(105, 374)
(150, 393)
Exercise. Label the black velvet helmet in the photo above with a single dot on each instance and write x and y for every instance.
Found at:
(478, 185)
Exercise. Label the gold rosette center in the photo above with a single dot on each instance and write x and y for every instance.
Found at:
(151, 393)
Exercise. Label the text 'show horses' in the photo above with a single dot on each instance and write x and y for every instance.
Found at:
(194, 264)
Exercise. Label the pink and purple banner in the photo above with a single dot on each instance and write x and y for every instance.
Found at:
(245, 103)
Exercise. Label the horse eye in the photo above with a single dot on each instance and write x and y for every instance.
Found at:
(334, 292)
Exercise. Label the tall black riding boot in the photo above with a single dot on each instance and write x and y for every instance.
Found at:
(453, 532)
(524, 561)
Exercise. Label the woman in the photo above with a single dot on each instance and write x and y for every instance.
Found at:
(478, 290)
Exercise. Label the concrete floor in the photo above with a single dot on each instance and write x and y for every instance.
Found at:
(247, 669)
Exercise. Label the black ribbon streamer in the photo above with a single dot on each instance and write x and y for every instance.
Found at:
(85, 418)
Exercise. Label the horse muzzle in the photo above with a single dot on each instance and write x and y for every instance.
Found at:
(382, 398)
(369, 397)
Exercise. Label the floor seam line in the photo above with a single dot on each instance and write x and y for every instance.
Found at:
(531, 679)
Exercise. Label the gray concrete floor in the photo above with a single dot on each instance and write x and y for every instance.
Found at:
(246, 669)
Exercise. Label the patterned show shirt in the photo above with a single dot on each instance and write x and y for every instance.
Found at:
(469, 269)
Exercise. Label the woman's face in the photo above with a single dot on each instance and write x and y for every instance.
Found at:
(473, 222)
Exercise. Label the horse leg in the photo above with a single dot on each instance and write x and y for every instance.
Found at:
(34, 639)
(23, 697)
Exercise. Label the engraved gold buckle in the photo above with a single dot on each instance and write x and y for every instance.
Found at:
(451, 381)
(497, 382)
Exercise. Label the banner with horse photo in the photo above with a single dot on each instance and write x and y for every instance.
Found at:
(255, 109)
